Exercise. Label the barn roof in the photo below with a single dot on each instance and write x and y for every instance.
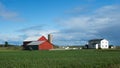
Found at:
(36, 38)
(33, 38)
(36, 42)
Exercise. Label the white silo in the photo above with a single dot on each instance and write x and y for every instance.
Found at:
(50, 38)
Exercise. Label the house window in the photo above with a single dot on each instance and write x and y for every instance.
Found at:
(106, 45)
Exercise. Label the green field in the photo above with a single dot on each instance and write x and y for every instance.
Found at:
(60, 59)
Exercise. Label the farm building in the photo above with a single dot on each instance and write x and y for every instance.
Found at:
(37, 43)
(98, 44)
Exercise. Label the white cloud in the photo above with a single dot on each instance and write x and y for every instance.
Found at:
(7, 14)
(102, 17)
(37, 31)
(97, 25)
(10, 37)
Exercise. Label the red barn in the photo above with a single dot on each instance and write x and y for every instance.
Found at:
(40, 44)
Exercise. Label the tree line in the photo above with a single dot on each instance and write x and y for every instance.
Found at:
(6, 44)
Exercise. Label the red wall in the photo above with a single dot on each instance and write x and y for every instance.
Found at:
(45, 46)
(42, 39)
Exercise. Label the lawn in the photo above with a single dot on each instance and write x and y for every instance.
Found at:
(60, 59)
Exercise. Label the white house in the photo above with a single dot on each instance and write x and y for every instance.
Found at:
(98, 43)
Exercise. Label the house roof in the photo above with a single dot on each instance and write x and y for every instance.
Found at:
(96, 40)
(36, 43)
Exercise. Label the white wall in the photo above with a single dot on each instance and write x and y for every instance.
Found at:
(104, 44)
(96, 46)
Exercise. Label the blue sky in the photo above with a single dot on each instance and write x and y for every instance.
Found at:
(70, 21)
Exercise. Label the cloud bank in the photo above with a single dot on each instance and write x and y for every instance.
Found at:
(77, 30)
(104, 22)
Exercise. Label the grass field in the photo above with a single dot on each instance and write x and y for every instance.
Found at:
(60, 59)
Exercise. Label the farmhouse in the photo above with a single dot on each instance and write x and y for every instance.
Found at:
(35, 43)
(98, 44)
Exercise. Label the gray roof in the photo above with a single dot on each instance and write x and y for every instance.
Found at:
(36, 43)
(96, 40)
(33, 38)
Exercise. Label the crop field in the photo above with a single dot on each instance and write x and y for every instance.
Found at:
(60, 59)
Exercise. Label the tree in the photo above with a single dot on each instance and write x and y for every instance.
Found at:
(6, 44)
(86, 46)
